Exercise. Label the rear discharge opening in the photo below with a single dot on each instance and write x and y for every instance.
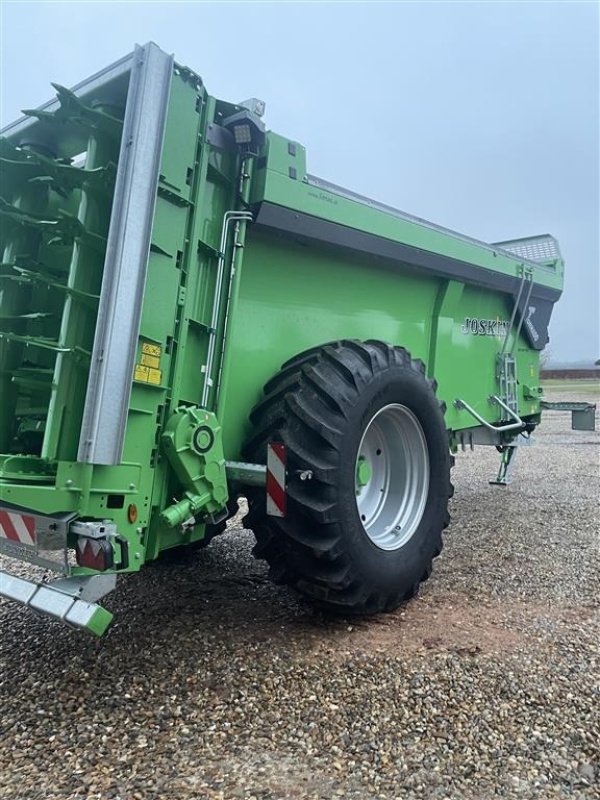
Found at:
(57, 178)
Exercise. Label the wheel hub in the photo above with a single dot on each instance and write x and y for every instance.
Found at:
(363, 473)
(392, 476)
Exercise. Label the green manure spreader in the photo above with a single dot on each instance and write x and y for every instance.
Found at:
(188, 316)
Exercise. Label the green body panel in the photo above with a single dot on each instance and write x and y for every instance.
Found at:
(279, 296)
(292, 299)
(277, 187)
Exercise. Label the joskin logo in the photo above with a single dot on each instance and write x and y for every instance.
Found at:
(484, 327)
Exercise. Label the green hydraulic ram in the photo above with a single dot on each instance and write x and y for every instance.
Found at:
(188, 316)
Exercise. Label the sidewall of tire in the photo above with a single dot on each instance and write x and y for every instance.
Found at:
(394, 568)
(320, 405)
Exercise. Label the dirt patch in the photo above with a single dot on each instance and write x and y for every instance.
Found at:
(262, 770)
(453, 625)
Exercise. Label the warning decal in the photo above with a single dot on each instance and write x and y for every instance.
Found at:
(150, 361)
(148, 369)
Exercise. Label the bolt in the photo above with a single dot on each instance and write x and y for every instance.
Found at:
(69, 482)
(132, 485)
(305, 474)
(138, 556)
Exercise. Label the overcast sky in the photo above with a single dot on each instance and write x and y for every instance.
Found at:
(483, 117)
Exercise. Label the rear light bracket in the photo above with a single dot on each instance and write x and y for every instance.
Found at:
(89, 588)
(94, 530)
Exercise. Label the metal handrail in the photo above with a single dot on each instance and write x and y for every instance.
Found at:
(228, 218)
(513, 426)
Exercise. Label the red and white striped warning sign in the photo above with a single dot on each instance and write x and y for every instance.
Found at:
(17, 527)
(276, 463)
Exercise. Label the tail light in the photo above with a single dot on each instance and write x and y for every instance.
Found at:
(93, 546)
(94, 553)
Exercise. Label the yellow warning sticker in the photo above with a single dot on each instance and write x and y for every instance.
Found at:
(141, 373)
(151, 349)
(148, 370)
(150, 361)
(145, 374)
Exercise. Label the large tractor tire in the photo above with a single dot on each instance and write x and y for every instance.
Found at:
(361, 417)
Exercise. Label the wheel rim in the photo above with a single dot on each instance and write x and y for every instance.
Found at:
(392, 476)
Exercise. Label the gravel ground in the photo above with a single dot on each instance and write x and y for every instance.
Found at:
(213, 683)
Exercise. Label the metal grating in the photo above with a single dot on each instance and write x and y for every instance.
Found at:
(534, 248)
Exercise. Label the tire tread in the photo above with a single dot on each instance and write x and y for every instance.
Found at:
(308, 410)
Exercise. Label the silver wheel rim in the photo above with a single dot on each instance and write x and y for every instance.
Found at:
(392, 476)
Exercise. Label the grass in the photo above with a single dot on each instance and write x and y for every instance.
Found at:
(572, 384)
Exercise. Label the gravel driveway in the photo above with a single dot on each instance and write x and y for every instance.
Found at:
(212, 683)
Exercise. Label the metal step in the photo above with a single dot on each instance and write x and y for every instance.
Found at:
(71, 600)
